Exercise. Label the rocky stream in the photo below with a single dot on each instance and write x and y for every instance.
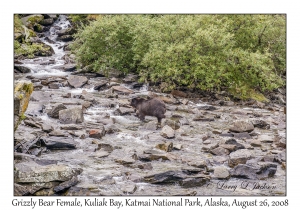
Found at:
(80, 136)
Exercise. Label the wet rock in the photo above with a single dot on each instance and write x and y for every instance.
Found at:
(54, 85)
(66, 185)
(198, 163)
(150, 155)
(29, 172)
(239, 157)
(196, 181)
(59, 143)
(24, 141)
(22, 69)
(97, 133)
(255, 170)
(241, 126)
(121, 89)
(177, 146)
(67, 31)
(207, 107)
(268, 158)
(71, 116)
(167, 132)
(220, 151)
(69, 67)
(220, 172)
(166, 146)
(32, 123)
(54, 112)
(77, 81)
(65, 38)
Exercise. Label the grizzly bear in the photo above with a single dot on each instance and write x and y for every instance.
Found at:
(149, 107)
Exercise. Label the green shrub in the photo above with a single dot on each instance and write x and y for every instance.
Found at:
(242, 53)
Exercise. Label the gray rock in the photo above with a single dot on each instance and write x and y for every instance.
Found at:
(29, 172)
(77, 81)
(241, 126)
(174, 124)
(168, 146)
(258, 170)
(167, 132)
(47, 22)
(71, 116)
(239, 157)
(220, 151)
(66, 185)
(54, 112)
(152, 126)
(59, 143)
(260, 124)
(22, 69)
(220, 172)
(266, 138)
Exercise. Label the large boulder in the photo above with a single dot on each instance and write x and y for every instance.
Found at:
(167, 132)
(22, 92)
(77, 81)
(71, 116)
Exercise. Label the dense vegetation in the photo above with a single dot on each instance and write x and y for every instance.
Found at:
(244, 54)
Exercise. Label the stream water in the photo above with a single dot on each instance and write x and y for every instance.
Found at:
(104, 174)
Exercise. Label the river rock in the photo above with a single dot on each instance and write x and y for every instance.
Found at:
(59, 143)
(174, 124)
(105, 147)
(47, 22)
(239, 157)
(220, 151)
(65, 38)
(130, 78)
(97, 133)
(255, 170)
(68, 31)
(66, 185)
(22, 69)
(77, 81)
(168, 147)
(241, 126)
(266, 138)
(29, 172)
(220, 172)
(125, 111)
(121, 89)
(54, 85)
(167, 132)
(180, 177)
(243, 135)
(260, 124)
(152, 126)
(58, 133)
(125, 160)
(54, 112)
(71, 115)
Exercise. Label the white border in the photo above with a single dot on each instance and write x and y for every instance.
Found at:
(154, 6)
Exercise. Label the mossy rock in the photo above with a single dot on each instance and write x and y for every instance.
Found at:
(22, 93)
(31, 20)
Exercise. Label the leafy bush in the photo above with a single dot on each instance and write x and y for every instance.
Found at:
(241, 53)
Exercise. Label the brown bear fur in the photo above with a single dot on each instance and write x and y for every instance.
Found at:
(149, 107)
